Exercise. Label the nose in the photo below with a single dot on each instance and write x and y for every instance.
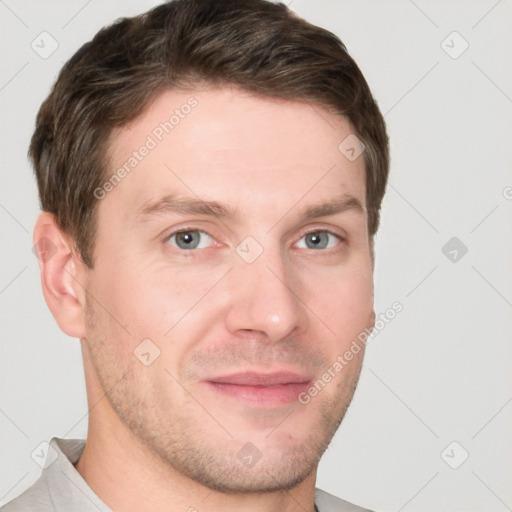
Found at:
(265, 298)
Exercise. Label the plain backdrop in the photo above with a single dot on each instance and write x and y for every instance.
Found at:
(429, 427)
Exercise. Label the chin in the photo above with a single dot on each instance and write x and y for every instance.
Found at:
(279, 472)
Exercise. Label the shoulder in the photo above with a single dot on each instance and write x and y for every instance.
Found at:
(52, 490)
(329, 503)
(36, 497)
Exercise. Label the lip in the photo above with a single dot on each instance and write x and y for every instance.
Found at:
(264, 389)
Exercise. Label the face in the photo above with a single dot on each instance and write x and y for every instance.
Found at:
(232, 268)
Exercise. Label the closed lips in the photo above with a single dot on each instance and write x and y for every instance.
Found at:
(261, 379)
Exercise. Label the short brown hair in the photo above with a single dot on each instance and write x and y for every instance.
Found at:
(257, 45)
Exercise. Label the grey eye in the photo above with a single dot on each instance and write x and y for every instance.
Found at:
(320, 240)
(189, 240)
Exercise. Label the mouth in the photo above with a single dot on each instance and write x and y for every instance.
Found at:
(264, 389)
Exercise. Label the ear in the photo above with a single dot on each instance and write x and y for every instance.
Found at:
(62, 289)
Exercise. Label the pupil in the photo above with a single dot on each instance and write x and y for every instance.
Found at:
(315, 240)
(186, 239)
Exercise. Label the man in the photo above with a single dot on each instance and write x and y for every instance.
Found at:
(210, 175)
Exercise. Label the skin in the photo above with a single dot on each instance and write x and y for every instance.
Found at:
(160, 437)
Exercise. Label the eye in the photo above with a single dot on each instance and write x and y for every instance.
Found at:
(320, 240)
(190, 239)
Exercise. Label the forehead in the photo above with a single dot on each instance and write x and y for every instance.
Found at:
(228, 145)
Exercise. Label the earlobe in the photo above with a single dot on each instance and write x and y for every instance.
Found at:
(62, 289)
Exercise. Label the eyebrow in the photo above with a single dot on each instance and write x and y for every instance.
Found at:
(171, 204)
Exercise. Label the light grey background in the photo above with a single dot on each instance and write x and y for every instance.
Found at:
(440, 371)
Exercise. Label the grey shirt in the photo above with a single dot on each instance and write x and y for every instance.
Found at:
(61, 488)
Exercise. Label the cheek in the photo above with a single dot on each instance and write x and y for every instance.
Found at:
(150, 300)
(344, 303)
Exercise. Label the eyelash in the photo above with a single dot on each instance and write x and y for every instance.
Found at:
(337, 248)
